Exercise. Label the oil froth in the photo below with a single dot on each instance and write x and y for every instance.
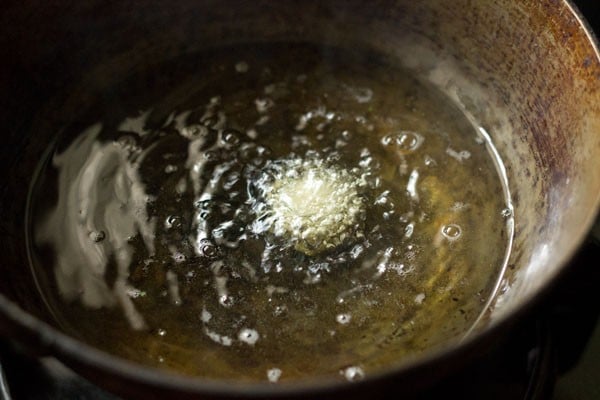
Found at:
(311, 204)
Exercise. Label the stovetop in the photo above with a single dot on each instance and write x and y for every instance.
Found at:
(554, 354)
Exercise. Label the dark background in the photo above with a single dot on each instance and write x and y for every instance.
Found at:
(591, 11)
(582, 382)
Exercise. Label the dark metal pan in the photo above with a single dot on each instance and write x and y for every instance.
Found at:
(528, 71)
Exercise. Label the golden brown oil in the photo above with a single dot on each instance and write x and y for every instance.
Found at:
(150, 230)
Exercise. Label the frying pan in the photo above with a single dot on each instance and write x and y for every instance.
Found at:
(527, 71)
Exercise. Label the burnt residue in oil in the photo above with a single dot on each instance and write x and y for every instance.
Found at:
(192, 234)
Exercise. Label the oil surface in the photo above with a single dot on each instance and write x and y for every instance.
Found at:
(155, 234)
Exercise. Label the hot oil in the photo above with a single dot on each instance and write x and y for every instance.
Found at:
(157, 231)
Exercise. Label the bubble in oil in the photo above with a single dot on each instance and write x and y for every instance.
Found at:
(429, 161)
(420, 298)
(205, 316)
(343, 319)
(178, 257)
(173, 221)
(274, 374)
(356, 251)
(207, 249)
(170, 169)
(231, 137)
(451, 231)
(404, 142)
(408, 231)
(97, 236)
(353, 373)
(248, 336)
(280, 310)
(362, 95)
(226, 300)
